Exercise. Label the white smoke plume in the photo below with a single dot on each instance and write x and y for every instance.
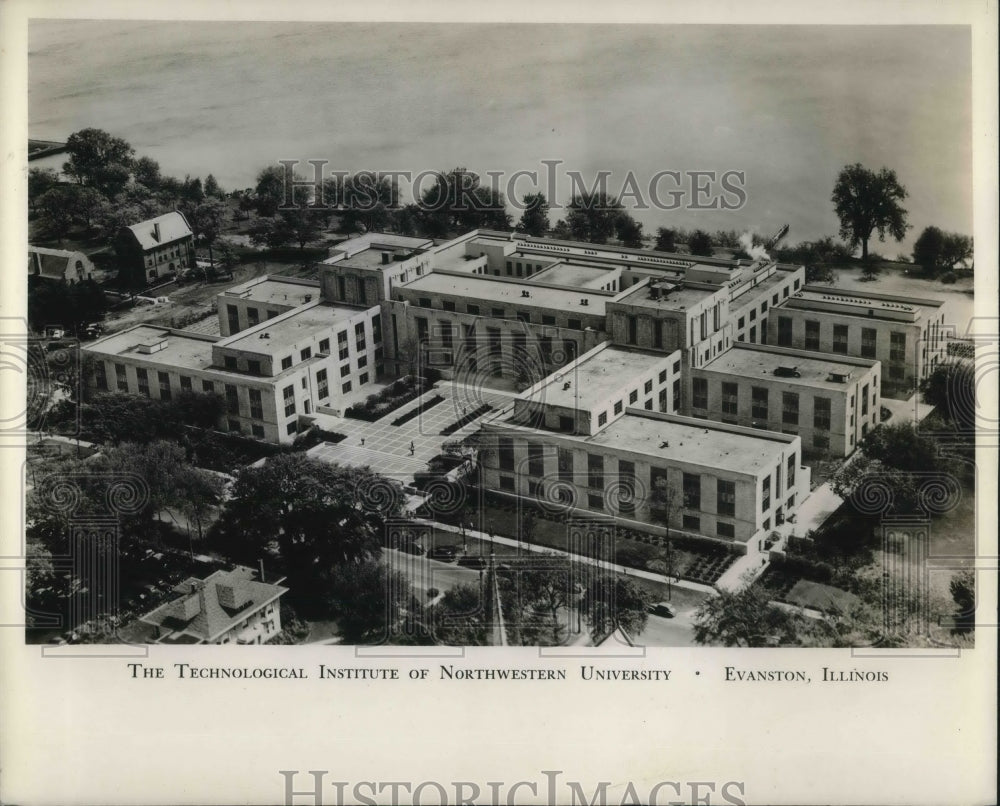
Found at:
(756, 251)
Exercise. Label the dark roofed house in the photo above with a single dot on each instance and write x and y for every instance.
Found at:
(159, 246)
(59, 264)
(227, 607)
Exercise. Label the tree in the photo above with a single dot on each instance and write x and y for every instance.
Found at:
(99, 160)
(206, 223)
(951, 389)
(368, 600)
(198, 493)
(629, 231)
(321, 515)
(40, 181)
(459, 618)
(867, 202)
(700, 243)
(57, 210)
(609, 603)
(269, 193)
(927, 249)
(956, 249)
(869, 272)
(535, 218)
(963, 591)
(666, 240)
(212, 189)
(300, 225)
(457, 199)
(146, 172)
(743, 618)
(593, 216)
(544, 594)
(665, 502)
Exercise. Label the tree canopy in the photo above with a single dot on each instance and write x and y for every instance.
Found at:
(700, 243)
(99, 160)
(535, 218)
(743, 618)
(866, 203)
(593, 216)
(936, 251)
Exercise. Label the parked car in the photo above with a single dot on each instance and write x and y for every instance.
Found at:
(473, 561)
(663, 609)
(446, 554)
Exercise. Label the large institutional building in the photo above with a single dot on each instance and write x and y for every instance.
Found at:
(650, 386)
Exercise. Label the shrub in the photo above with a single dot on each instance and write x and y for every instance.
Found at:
(948, 277)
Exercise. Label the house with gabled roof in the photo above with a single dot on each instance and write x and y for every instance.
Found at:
(159, 246)
(227, 607)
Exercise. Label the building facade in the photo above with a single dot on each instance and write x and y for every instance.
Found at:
(157, 247)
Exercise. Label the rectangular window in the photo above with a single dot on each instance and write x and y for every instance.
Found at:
(448, 305)
(323, 386)
(676, 395)
(626, 487)
(497, 313)
(790, 408)
(324, 346)
(595, 501)
(253, 317)
(345, 370)
(632, 330)
(791, 472)
(271, 314)
(864, 399)
(699, 393)
(507, 483)
(595, 471)
(164, 380)
(725, 497)
(233, 314)
(897, 346)
(185, 383)
(234, 426)
(362, 379)
(473, 309)
(291, 428)
(565, 462)
(377, 328)
(840, 339)
(730, 398)
(342, 347)
(305, 354)
(253, 367)
(765, 494)
(618, 407)
(257, 430)
(208, 387)
(288, 393)
(602, 418)
(821, 413)
(345, 388)
(505, 453)
(256, 404)
(359, 336)
(362, 361)
(725, 529)
(758, 402)
(143, 378)
(286, 362)
(232, 399)
(648, 387)
(633, 396)
(691, 489)
(536, 460)
(100, 376)
(121, 377)
(574, 324)
(229, 361)
(692, 522)
(784, 331)
(869, 336)
(812, 334)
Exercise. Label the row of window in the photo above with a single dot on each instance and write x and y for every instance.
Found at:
(501, 313)
(760, 403)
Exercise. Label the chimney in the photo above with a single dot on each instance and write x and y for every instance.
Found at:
(156, 230)
(260, 563)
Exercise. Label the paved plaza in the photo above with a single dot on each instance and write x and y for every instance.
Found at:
(386, 448)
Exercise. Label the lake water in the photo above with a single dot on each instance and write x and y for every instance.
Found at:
(789, 106)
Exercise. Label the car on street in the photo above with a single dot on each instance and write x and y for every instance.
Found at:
(446, 554)
(473, 561)
(663, 609)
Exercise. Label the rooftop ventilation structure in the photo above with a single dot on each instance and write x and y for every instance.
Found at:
(838, 377)
(585, 301)
(525, 293)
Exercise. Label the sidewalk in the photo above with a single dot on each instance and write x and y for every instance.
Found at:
(620, 569)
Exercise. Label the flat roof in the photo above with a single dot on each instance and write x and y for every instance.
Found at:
(505, 290)
(752, 295)
(275, 291)
(290, 328)
(375, 243)
(696, 442)
(573, 274)
(753, 361)
(683, 296)
(893, 307)
(181, 350)
(596, 378)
